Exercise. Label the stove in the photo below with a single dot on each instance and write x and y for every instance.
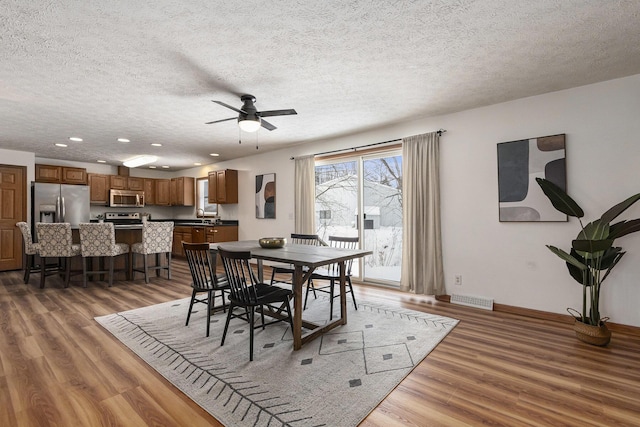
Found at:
(123, 217)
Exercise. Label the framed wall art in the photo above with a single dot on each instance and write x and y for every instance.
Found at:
(519, 164)
(266, 196)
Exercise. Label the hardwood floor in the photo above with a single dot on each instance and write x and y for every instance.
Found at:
(59, 367)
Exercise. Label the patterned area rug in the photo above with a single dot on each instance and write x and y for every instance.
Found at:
(335, 380)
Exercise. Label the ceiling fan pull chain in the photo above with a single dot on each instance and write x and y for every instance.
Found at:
(257, 140)
(239, 136)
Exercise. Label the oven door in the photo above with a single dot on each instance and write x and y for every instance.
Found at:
(126, 199)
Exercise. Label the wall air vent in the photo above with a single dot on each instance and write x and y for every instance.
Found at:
(472, 301)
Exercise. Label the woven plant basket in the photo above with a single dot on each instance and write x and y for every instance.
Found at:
(595, 335)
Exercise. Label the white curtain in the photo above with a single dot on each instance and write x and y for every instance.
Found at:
(305, 195)
(422, 271)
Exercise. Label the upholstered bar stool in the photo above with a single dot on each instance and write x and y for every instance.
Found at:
(157, 238)
(99, 240)
(30, 251)
(56, 242)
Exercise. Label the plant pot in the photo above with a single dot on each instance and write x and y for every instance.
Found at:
(595, 335)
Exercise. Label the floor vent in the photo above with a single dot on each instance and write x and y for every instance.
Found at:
(477, 302)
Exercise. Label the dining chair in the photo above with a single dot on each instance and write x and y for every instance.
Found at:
(31, 249)
(202, 264)
(157, 238)
(247, 293)
(99, 240)
(331, 273)
(56, 242)
(287, 269)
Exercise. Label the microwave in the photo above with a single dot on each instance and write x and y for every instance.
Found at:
(126, 199)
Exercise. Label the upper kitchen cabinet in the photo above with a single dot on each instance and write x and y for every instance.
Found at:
(98, 188)
(223, 186)
(120, 182)
(163, 192)
(61, 174)
(149, 191)
(183, 190)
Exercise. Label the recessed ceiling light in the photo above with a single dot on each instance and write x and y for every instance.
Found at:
(75, 139)
(214, 154)
(156, 144)
(197, 164)
(123, 140)
(152, 167)
(165, 167)
(101, 161)
(61, 145)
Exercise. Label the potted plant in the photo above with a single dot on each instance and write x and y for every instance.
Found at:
(591, 258)
(100, 217)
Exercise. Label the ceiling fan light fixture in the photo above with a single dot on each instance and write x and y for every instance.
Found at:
(249, 124)
(139, 161)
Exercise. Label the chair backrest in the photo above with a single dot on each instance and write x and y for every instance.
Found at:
(343, 243)
(55, 239)
(306, 239)
(97, 239)
(241, 277)
(202, 263)
(30, 248)
(157, 237)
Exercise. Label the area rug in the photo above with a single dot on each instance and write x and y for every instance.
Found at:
(335, 380)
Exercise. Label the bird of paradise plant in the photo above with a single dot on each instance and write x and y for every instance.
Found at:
(592, 255)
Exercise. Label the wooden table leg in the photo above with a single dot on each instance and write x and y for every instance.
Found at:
(343, 293)
(297, 307)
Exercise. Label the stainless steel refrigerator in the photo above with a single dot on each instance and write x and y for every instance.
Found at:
(59, 203)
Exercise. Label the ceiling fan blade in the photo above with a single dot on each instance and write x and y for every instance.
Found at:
(265, 124)
(202, 76)
(223, 120)
(230, 107)
(277, 113)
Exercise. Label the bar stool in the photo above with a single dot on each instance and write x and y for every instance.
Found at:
(157, 238)
(56, 242)
(99, 240)
(30, 251)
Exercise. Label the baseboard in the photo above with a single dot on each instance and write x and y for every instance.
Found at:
(546, 315)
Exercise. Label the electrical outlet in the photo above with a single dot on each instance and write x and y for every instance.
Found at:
(458, 280)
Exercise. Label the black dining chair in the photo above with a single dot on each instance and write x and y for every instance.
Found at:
(202, 263)
(331, 273)
(287, 269)
(247, 293)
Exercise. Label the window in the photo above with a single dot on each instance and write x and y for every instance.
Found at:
(202, 198)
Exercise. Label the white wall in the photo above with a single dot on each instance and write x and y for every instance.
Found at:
(505, 261)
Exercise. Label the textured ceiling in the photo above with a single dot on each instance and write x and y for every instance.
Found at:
(148, 70)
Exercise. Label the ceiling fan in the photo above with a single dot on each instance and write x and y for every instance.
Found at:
(250, 119)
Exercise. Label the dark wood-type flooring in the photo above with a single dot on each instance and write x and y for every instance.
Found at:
(58, 367)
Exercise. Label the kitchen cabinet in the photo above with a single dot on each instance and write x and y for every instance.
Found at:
(223, 186)
(149, 191)
(60, 174)
(224, 233)
(118, 182)
(180, 234)
(98, 188)
(135, 184)
(182, 191)
(163, 193)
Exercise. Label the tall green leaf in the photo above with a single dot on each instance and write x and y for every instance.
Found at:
(568, 258)
(623, 228)
(591, 247)
(616, 210)
(559, 199)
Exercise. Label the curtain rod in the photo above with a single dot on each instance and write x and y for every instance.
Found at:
(439, 132)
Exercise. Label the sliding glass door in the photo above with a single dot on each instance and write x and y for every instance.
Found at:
(362, 196)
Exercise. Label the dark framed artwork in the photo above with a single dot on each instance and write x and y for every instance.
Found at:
(266, 195)
(520, 198)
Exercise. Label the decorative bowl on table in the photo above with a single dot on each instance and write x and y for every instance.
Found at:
(272, 242)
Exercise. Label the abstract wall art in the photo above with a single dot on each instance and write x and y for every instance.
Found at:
(519, 164)
(266, 195)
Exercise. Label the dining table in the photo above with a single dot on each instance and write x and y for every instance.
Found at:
(305, 259)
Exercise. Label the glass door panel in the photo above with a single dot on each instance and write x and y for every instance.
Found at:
(382, 218)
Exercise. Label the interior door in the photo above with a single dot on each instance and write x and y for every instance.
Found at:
(13, 209)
